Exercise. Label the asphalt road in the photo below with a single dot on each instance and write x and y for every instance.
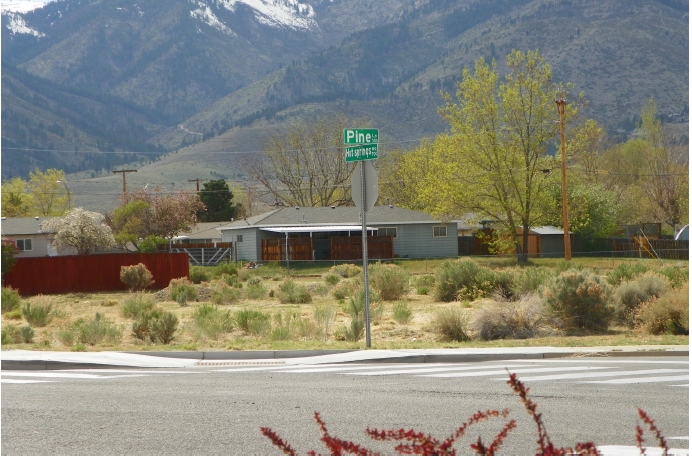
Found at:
(219, 410)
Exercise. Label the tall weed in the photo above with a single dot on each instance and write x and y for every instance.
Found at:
(291, 292)
(37, 312)
(97, 330)
(452, 324)
(212, 322)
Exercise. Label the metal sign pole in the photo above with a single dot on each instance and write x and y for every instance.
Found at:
(366, 286)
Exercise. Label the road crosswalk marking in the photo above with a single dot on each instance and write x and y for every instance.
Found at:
(530, 370)
(596, 374)
(670, 378)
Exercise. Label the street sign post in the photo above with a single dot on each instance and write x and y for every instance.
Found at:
(364, 193)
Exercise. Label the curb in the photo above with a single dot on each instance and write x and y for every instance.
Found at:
(45, 365)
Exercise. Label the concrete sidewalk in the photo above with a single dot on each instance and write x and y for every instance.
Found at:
(48, 360)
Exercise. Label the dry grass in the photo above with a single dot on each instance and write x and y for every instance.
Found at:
(386, 332)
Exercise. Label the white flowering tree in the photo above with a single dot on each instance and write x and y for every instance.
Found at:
(82, 230)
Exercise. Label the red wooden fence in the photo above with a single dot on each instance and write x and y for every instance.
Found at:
(92, 273)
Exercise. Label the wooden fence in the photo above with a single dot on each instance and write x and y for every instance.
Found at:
(92, 273)
(299, 248)
(351, 248)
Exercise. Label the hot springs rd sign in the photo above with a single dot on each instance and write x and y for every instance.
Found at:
(365, 144)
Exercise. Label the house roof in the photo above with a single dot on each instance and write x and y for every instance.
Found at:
(330, 216)
(548, 230)
(22, 226)
(205, 231)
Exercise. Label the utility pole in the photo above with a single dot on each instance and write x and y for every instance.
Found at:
(196, 180)
(565, 221)
(123, 172)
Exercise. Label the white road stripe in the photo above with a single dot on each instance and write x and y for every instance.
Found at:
(621, 381)
(630, 450)
(436, 369)
(62, 375)
(598, 374)
(278, 368)
(25, 381)
(130, 371)
(301, 369)
(519, 370)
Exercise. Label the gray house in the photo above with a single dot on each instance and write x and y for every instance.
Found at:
(30, 237)
(335, 233)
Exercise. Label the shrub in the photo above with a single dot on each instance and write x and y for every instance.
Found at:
(12, 334)
(181, 290)
(9, 252)
(9, 300)
(291, 292)
(464, 279)
(452, 324)
(424, 284)
(136, 277)
(256, 290)
(212, 322)
(155, 325)
(530, 280)
(252, 321)
(227, 268)
(198, 274)
(97, 330)
(346, 270)
(38, 312)
(390, 280)
(324, 317)
(346, 288)
(332, 279)
(26, 334)
(254, 281)
(669, 313)
(629, 295)
(233, 281)
(13, 315)
(136, 305)
(226, 295)
(515, 320)
(624, 272)
(163, 328)
(402, 313)
(677, 275)
(67, 337)
(580, 299)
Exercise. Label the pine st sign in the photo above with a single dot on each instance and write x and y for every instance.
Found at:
(365, 144)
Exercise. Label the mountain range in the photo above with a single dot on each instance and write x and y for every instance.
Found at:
(92, 84)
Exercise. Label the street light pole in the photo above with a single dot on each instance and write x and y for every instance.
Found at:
(565, 220)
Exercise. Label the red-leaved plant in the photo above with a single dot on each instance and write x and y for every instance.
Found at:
(415, 443)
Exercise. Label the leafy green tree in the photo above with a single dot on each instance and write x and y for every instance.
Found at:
(218, 200)
(42, 195)
(493, 161)
(49, 196)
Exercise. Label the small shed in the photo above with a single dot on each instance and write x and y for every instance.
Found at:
(545, 241)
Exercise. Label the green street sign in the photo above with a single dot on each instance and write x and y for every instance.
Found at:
(361, 153)
(361, 136)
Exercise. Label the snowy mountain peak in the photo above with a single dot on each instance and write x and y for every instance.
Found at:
(291, 14)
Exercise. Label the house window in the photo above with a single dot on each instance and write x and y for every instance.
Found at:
(387, 231)
(239, 238)
(439, 231)
(24, 244)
